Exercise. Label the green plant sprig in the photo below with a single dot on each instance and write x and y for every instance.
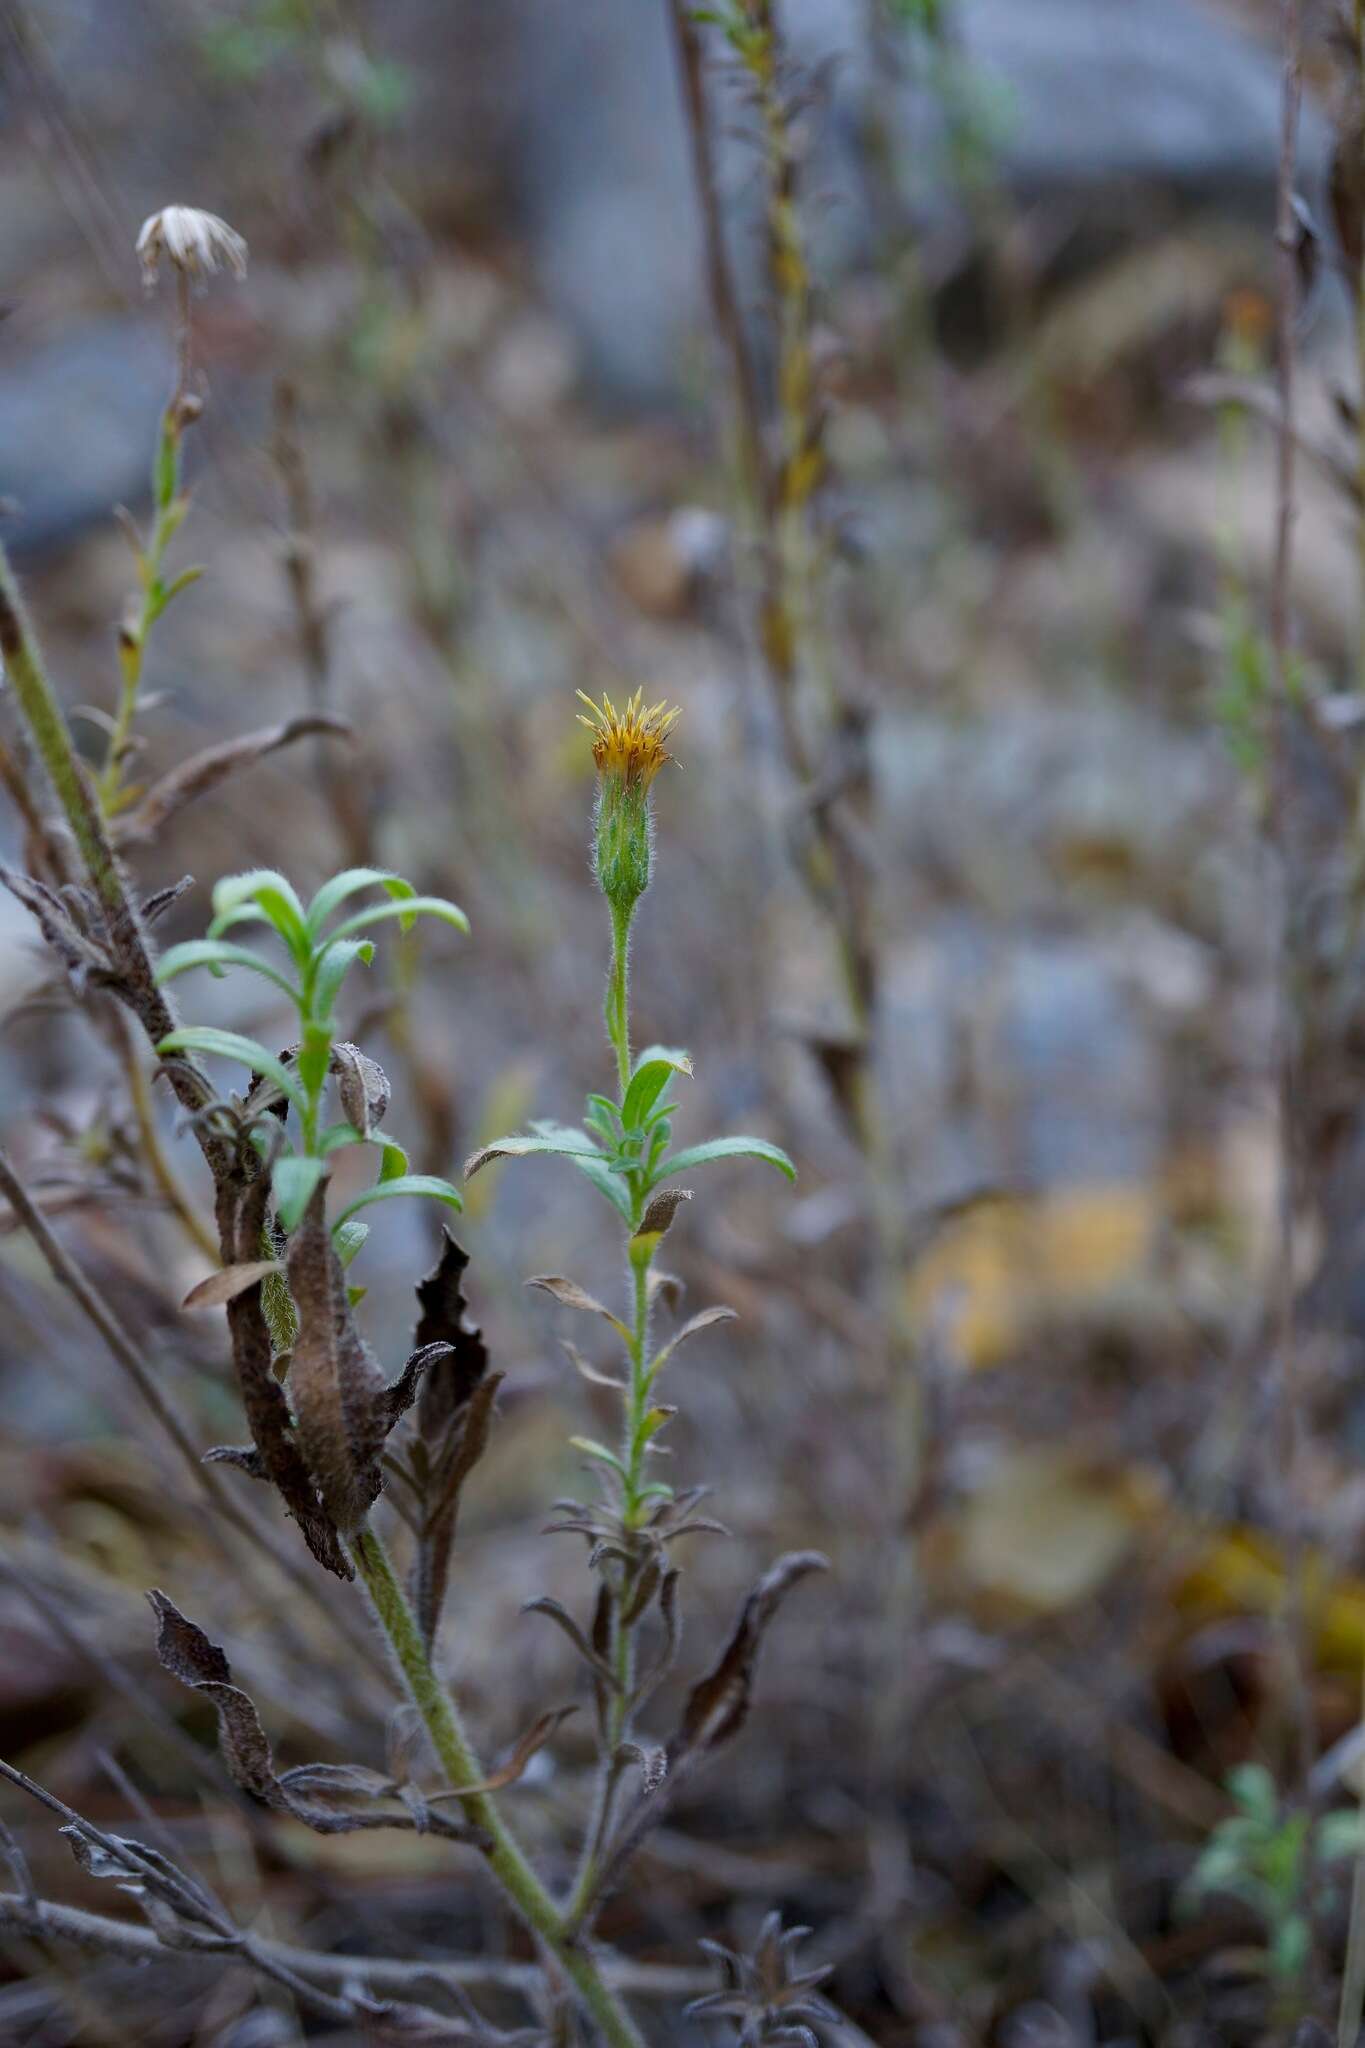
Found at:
(624, 1147)
(170, 509)
(321, 949)
(1277, 1859)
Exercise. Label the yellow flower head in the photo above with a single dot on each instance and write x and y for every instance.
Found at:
(629, 744)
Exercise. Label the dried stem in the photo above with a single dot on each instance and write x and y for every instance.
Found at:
(129, 1359)
(127, 932)
(43, 1919)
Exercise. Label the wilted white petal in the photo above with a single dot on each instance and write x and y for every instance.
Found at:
(194, 241)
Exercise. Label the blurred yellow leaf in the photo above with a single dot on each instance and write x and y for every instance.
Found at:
(1048, 1527)
(1010, 1263)
(1242, 1571)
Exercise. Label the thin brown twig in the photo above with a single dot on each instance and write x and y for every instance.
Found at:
(128, 1358)
(127, 1939)
(1289, 1393)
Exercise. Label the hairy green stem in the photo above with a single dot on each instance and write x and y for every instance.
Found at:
(634, 1441)
(169, 513)
(618, 991)
(505, 1856)
(51, 737)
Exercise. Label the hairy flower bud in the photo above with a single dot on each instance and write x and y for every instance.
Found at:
(628, 747)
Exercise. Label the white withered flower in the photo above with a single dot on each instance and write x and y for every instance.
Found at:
(193, 241)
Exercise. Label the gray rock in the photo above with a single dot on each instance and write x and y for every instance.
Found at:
(1091, 98)
(78, 421)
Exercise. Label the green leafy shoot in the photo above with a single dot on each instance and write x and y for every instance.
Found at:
(1278, 1859)
(623, 1146)
(321, 945)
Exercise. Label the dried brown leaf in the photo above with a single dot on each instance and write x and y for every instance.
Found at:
(221, 1287)
(717, 1706)
(204, 771)
(444, 1320)
(588, 1370)
(338, 1390)
(570, 1295)
(465, 1441)
(241, 1223)
(661, 1211)
(535, 1738)
(362, 1087)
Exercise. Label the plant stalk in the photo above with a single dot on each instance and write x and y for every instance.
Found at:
(505, 1856)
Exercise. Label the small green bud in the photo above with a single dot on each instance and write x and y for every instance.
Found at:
(621, 843)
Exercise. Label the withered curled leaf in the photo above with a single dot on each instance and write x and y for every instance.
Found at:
(717, 1706)
(221, 1287)
(514, 1766)
(571, 1295)
(454, 1416)
(661, 1210)
(241, 1210)
(560, 1615)
(339, 1394)
(362, 1088)
(332, 1799)
(203, 771)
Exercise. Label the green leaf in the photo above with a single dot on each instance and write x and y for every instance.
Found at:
(1253, 1788)
(652, 1072)
(348, 1238)
(160, 595)
(410, 908)
(314, 1057)
(602, 1116)
(607, 1182)
(336, 1136)
(726, 1148)
(337, 963)
(561, 1140)
(349, 883)
(217, 954)
(393, 1164)
(263, 893)
(592, 1449)
(231, 1045)
(1340, 1835)
(428, 1184)
(294, 1181)
(1290, 1947)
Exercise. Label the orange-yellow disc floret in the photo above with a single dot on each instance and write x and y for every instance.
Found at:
(629, 744)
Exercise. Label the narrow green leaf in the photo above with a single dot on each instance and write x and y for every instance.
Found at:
(267, 894)
(314, 1057)
(348, 1238)
(294, 1180)
(410, 908)
(161, 594)
(336, 1136)
(349, 883)
(428, 1184)
(218, 954)
(231, 1045)
(726, 1148)
(393, 1164)
(337, 963)
(561, 1140)
(592, 1449)
(651, 1074)
(607, 1182)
